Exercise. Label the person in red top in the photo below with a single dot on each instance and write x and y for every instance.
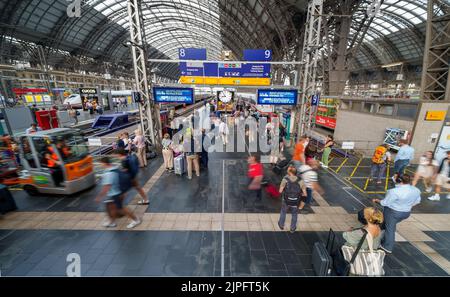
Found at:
(255, 175)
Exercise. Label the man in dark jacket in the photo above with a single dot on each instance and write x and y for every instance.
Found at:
(205, 146)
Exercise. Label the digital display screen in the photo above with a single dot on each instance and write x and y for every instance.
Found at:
(173, 95)
(277, 97)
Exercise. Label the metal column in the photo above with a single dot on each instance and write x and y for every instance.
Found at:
(310, 56)
(149, 112)
(436, 61)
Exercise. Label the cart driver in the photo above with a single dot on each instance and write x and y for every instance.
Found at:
(63, 149)
(54, 165)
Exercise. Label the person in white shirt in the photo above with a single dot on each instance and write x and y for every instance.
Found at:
(442, 178)
(224, 131)
(308, 173)
(33, 129)
(426, 171)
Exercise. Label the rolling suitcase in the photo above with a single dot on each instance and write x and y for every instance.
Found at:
(179, 165)
(7, 202)
(321, 259)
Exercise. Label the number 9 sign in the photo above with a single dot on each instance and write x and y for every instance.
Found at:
(267, 54)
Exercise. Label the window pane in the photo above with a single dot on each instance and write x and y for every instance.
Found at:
(407, 111)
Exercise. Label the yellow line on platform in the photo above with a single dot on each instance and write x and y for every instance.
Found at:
(361, 190)
(366, 184)
(345, 161)
(356, 167)
(387, 176)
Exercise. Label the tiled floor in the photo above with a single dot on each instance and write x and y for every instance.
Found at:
(181, 233)
(188, 253)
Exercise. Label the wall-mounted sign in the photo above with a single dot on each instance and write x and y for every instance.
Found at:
(326, 122)
(277, 97)
(173, 95)
(95, 141)
(435, 115)
(22, 91)
(88, 91)
(348, 145)
(257, 55)
(326, 112)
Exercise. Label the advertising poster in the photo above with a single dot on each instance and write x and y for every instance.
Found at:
(326, 112)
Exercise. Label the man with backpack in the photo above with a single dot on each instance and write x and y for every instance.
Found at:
(130, 164)
(293, 190)
(112, 193)
(379, 159)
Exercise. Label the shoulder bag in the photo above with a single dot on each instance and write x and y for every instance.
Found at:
(365, 263)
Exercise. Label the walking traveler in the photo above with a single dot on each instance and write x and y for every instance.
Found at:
(139, 142)
(397, 207)
(167, 151)
(292, 189)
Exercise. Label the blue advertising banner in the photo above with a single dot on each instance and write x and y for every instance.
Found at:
(257, 55)
(192, 53)
(277, 97)
(173, 95)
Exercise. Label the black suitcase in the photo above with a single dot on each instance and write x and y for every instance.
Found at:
(321, 260)
(7, 202)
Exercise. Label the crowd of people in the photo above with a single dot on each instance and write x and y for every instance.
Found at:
(433, 174)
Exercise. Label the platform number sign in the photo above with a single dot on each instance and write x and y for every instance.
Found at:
(257, 55)
(315, 100)
(192, 53)
(136, 97)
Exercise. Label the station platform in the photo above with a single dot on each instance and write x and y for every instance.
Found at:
(207, 226)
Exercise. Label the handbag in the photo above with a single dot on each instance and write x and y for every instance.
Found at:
(365, 263)
(341, 264)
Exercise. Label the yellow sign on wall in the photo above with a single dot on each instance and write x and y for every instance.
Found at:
(235, 81)
(435, 115)
(29, 98)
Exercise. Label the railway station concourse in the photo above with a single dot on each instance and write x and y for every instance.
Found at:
(189, 114)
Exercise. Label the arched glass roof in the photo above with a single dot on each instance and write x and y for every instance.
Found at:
(398, 34)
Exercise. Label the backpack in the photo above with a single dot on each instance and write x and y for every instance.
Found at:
(379, 154)
(292, 192)
(133, 166)
(124, 180)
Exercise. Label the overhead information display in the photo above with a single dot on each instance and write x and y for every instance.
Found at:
(173, 95)
(277, 97)
(225, 73)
